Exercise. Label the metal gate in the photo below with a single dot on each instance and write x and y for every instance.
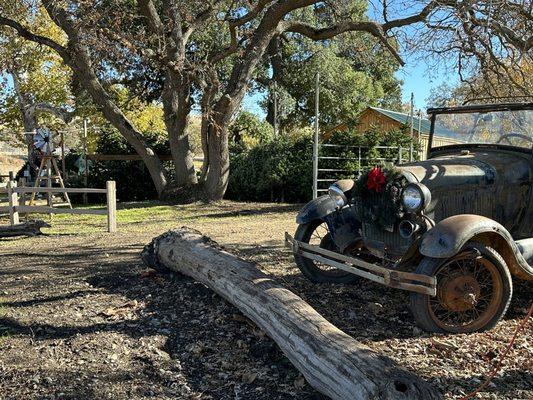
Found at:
(324, 173)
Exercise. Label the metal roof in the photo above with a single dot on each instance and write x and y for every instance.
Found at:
(481, 108)
(425, 124)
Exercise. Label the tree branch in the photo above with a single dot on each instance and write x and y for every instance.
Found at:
(59, 112)
(148, 9)
(27, 34)
(412, 19)
(316, 34)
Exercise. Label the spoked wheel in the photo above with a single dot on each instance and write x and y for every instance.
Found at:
(474, 289)
(317, 233)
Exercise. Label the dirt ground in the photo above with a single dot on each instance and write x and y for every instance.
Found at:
(81, 319)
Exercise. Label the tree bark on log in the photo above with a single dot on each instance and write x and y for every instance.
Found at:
(332, 362)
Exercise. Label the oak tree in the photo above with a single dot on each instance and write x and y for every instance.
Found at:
(207, 54)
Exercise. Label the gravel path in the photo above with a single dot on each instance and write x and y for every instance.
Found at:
(82, 318)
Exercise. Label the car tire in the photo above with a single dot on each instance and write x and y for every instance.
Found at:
(425, 314)
(310, 268)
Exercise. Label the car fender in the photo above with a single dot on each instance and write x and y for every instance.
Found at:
(449, 236)
(342, 222)
(316, 209)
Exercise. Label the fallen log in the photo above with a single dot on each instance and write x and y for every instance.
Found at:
(29, 228)
(332, 362)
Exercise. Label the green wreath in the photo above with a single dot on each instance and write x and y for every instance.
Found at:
(377, 197)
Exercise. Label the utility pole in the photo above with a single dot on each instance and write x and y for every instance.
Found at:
(411, 149)
(276, 128)
(315, 138)
(419, 126)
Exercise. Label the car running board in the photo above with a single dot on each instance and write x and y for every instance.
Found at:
(389, 277)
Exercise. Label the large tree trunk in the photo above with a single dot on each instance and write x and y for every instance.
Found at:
(79, 60)
(177, 106)
(217, 177)
(331, 361)
(81, 66)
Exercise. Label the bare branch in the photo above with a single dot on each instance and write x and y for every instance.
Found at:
(412, 19)
(254, 12)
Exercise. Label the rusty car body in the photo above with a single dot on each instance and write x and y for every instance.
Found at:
(462, 226)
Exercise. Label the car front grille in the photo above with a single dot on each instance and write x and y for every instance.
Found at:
(388, 242)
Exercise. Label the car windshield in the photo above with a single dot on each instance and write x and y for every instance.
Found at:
(509, 128)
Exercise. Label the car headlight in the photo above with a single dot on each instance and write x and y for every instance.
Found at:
(416, 197)
(337, 195)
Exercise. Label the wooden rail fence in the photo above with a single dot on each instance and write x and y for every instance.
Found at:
(14, 209)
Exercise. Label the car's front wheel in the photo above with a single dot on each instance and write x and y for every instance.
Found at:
(474, 289)
(317, 233)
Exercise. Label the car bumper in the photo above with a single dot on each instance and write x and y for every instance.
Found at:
(389, 277)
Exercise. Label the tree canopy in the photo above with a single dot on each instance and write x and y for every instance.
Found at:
(209, 54)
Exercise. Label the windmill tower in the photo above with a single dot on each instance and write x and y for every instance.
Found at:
(48, 170)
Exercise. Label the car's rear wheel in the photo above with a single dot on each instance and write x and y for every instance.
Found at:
(317, 233)
(474, 289)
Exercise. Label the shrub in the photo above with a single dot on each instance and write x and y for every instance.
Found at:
(281, 169)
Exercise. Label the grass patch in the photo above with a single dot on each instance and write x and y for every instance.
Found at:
(156, 216)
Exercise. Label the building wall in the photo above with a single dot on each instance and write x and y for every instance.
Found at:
(10, 163)
(11, 158)
(371, 118)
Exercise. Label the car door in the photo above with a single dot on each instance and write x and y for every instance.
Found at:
(526, 230)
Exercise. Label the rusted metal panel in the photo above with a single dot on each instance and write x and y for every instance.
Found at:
(451, 234)
(490, 182)
(385, 276)
(316, 209)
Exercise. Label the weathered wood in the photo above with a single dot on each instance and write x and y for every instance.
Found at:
(13, 204)
(111, 206)
(57, 190)
(331, 361)
(54, 210)
(30, 228)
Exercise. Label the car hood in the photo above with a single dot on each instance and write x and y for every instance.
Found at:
(476, 169)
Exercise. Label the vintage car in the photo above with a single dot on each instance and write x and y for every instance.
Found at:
(453, 229)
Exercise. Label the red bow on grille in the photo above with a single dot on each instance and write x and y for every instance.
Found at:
(376, 180)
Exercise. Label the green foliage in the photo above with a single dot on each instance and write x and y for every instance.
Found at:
(248, 130)
(281, 169)
(277, 170)
(42, 76)
(355, 71)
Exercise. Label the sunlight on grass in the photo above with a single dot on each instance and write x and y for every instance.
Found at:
(154, 215)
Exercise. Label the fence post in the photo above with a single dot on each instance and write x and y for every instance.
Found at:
(399, 154)
(315, 136)
(13, 204)
(111, 195)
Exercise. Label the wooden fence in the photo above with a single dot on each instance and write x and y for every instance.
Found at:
(15, 208)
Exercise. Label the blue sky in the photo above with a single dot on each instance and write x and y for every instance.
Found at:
(418, 78)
